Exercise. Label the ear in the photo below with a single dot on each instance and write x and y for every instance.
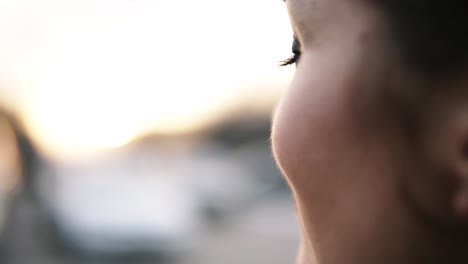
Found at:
(450, 150)
(438, 180)
(460, 164)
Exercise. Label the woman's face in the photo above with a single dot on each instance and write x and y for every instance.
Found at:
(342, 139)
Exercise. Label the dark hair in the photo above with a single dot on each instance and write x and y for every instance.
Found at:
(432, 35)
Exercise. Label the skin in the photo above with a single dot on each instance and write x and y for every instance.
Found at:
(376, 153)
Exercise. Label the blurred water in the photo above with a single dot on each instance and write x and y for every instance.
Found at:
(212, 198)
(157, 201)
(266, 233)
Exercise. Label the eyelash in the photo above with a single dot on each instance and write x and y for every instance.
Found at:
(296, 50)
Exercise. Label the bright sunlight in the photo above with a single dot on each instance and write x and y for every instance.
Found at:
(94, 74)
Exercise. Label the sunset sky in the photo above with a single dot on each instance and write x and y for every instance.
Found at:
(92, 74)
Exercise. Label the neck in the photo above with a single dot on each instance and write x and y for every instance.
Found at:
(412, 241)
(431, 255)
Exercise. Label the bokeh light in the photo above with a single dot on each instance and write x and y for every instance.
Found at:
(92, 74)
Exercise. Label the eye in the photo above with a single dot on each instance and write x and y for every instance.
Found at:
(296, 50)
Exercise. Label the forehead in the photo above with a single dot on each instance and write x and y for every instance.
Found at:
(310, 16)
(308, 8)
(304, 15)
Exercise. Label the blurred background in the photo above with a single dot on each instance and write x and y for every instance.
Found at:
(137, 131)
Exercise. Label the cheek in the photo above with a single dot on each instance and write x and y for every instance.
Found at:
(339, 151)
(311, 125)
(331, 130)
